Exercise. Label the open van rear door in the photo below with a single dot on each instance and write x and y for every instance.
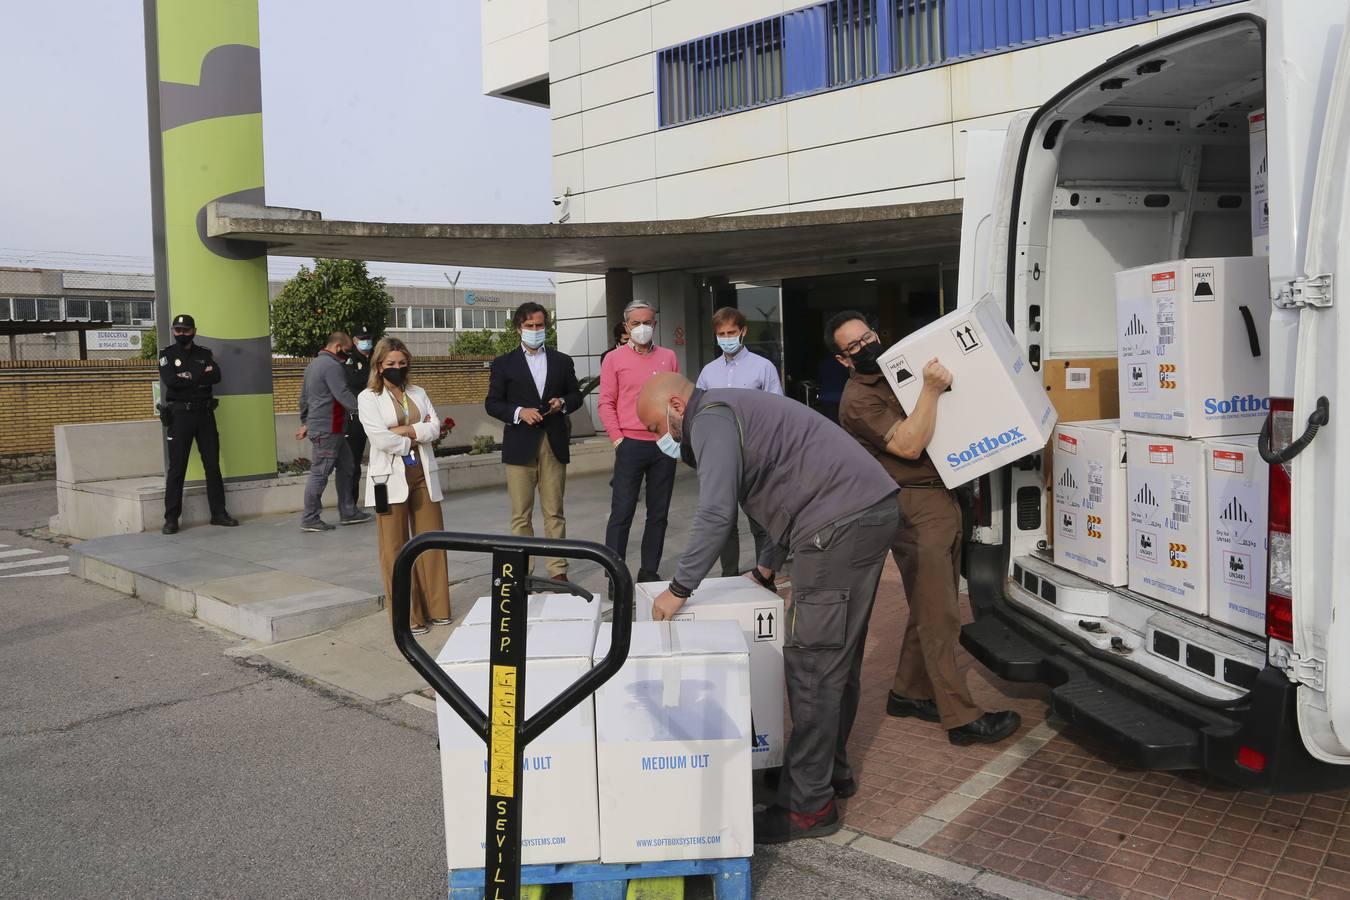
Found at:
(1319, 555)
(984, 213)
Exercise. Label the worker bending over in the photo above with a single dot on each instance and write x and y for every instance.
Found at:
(764, 452)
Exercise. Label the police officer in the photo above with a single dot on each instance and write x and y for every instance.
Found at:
(357, 370)
(187, 373)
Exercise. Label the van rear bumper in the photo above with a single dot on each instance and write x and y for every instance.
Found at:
(1148, 725)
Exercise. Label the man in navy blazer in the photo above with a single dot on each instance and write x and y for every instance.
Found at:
(533, 390)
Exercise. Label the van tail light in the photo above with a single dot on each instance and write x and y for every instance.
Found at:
(1251, 759)
(1280, 582)
(980, 513)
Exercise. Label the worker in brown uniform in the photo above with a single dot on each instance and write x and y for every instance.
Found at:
(927, 547)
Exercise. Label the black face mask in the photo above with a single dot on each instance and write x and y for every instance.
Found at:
(396, 377)
(865, 360)
(182, 340)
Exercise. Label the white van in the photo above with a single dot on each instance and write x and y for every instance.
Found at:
(1146, 159)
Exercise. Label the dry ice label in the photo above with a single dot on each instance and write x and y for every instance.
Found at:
(1136, 329)
(1204, 284)
(1066, 487)
(1146, 546)
(1068, 523)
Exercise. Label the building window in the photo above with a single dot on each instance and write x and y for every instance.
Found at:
(25, 309)
(842, 42)
(474, 319)
(4, 309)
(49, 309)
(398, 317)
(93, 310)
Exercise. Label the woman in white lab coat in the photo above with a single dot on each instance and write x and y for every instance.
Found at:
(401, 424)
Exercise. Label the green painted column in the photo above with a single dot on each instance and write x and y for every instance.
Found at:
(204, 86)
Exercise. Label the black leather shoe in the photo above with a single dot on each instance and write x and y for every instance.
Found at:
(646, 576)
(170, 527)
(225, 520)
(844, 787)
(989, 728)
(903, 707)
(775, 826)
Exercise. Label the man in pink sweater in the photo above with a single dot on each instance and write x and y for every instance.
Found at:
(636, 452)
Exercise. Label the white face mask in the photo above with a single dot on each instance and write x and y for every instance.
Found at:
(641, 334)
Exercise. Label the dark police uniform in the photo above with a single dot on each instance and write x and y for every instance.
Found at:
(357, 370)
(187, 411)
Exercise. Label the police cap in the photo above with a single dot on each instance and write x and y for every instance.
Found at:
(361, 331)
(184, 321)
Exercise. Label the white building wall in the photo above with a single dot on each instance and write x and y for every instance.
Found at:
(896, 140)
(515, 43)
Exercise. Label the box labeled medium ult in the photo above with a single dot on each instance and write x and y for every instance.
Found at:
(1090, 520)
(997, 410)
(759, 613)
(1169, 559)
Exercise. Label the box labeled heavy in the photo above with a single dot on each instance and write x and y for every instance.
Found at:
(997, 410)
(561, 820)
(544, 608)
(1238, 481)
(1090, 520)
(1169, 560)
(759, 613)
(1193, 336)
(673, 738)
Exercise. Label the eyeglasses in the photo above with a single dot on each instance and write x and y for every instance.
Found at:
(854, 346)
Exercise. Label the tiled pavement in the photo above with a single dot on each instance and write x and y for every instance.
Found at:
(1055, 810)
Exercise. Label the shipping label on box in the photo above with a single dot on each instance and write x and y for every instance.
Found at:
(673, 741)
(996, 411)
(1165, 482)
(561, 820)
(1256, 129)
(1193, 339)
(1238, 481)
(544, 608)
(1089, 492)
(759, 612)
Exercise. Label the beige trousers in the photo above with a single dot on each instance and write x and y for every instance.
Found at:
(549, 478)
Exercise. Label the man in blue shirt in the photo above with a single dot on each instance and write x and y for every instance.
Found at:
(738, 367)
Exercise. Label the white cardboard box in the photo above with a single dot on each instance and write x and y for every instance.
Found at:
(759, 612)
(1238, 503)
(561, 821)
(997, 410)
(1089, 511)
(1165, 477)
(673, 739)
(1187, 366)
(544, 608)
(1256, 127)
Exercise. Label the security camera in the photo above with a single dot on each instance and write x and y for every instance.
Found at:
(558, 201)
(563, 197)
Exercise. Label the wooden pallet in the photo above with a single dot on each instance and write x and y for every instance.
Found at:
(618, 881)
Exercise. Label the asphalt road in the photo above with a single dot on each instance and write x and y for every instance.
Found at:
(137, 760)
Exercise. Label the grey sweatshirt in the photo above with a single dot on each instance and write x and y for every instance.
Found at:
(792, 469)
(325, 398)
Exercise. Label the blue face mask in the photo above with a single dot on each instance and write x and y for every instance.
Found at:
(666, 443)
(364, 346)
(730, 345)
(533, 339)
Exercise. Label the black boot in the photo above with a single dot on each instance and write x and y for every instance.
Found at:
(224, 519)
(902, 707)
(989, 728)
(170, 527)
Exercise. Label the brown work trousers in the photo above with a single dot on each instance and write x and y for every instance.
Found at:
(431, 583)
(927, 550)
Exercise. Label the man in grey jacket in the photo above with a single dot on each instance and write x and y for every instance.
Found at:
(838, 518)
(325, 401)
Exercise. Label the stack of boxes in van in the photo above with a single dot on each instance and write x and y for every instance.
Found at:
(671, 731)
(1193, 390)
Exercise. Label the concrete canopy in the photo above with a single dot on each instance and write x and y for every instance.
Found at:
(737, 247)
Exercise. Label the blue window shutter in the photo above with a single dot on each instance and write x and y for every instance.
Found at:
(885, 31)
(805, 61)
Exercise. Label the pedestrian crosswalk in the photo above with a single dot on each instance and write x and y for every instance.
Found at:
(28, 563)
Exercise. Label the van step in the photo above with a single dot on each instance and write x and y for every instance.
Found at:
(1002, 650)
(1148, 738)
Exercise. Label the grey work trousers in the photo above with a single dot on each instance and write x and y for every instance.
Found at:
(834, 581)
(330, 452)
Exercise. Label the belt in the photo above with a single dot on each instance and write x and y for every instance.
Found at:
(924, 486)
(191, 405)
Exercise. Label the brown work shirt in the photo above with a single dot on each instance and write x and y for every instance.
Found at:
(869, 411)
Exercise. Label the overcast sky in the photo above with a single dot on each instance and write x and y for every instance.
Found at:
(370, 111)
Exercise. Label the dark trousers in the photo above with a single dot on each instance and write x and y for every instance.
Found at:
(635, 461)
(185, 427)
(731, 550)
(350, 488)
(834, 581)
